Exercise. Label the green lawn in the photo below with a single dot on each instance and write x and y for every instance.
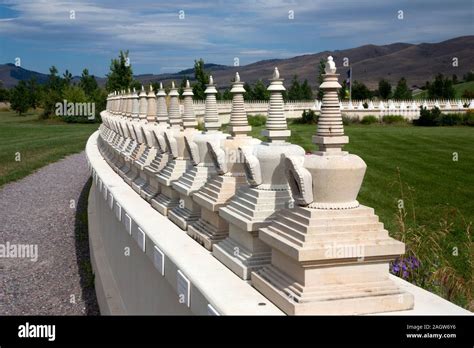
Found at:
(425, 159)
(37, 142)
(459, 89)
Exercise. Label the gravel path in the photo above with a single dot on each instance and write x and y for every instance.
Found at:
(47, 209)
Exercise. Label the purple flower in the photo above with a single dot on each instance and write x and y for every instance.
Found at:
(416, 262)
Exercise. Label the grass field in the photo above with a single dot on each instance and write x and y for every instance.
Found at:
(424, 157)
(459, 89)
(36, 143)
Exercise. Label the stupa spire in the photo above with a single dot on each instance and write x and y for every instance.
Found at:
(151, 105)
(238, 125)
(174, 113)
(211, 115)
(142, 104)
(330, 134)
(189, 119)
(276, 128)
(162, 109)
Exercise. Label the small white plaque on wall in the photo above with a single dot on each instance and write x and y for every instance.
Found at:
(118, 211)
(159, 260)
(105, 192)
(111, 200)
(140, 239)
(100, 185)
(211, 310)
(184, 289)
(128, 223)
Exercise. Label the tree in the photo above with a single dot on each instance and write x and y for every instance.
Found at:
(156, 86)
(441, 88)
(248, 95)
(182, 86)
(385, 89)
(19, 99)
(260, 91)
(136, 84)
(202, 79)
(360, 91)
(33, 92)
(121, 74)
(306, 91)
(88, 83)
(294, 92)
(227, 95)
(344, 92)
(322, 67)
(53, 90)
(4, 93)
(455, 79)
(402, 92)
(67, 77)
(54, 82)
(469, 76)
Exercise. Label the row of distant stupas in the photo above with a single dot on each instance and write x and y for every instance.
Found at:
(285, 220)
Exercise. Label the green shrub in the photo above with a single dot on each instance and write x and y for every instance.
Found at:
(307, 117)
(369, 119)
(347, 120)
(257, 120)
(428, 118)
(390, 119)
(469, 118)
(451, 120)
(434, 117)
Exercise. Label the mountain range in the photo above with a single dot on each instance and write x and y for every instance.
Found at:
(418, 63)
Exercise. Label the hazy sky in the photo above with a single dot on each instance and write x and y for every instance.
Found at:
(42, 33)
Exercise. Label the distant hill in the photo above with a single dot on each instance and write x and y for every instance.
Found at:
(11, 74)
(418, 63)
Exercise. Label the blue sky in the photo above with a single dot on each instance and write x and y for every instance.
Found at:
(42, 33)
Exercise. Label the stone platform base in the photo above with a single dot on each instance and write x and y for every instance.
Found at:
(350, 299)
(166, 200)
(206, 234)
(239, 259)
(151, 188)
(182, 217)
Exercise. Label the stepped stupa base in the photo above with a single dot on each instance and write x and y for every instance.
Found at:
(330, 262)
(151, 189)
(239, 259)
(141, 180)
(150, 172)
(166, 200)
(133, 171)
(206, 233)
(347, 299)
(191, 181)
(183, 216)
(249, 210)
(211, 228)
